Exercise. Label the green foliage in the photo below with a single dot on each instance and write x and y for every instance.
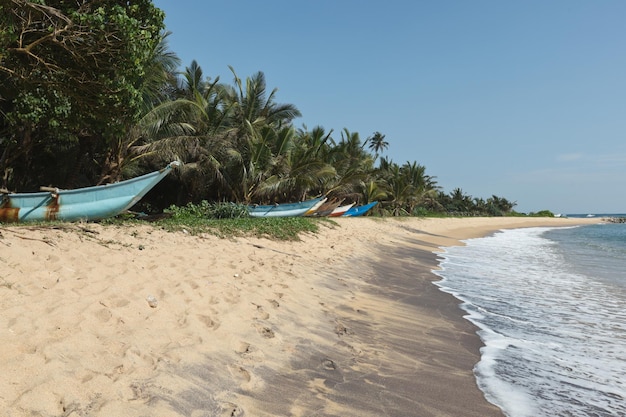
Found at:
(422, 212)
(206, 210)
(542, 213)
(280, 228)
(229, 219)
(458, 203)
(71, 75)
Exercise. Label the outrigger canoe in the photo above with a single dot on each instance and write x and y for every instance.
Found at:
(315, 207)
(90, 203)
(360, 210)
(283, 210)
(339, 211)
(324, 209)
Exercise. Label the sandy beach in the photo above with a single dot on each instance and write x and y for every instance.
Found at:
(135, 321)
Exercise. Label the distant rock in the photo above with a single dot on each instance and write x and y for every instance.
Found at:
(616, 219)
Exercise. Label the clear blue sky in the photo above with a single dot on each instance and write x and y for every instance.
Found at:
(522, 99)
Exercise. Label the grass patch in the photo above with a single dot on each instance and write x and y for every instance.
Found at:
(195, 220)
(280, 228)
(228, 220)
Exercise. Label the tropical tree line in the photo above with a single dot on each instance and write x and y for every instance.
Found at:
(90, 93)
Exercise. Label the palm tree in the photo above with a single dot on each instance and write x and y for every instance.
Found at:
(192, 83)
(374, 190)
(309, 161)
(423, 185)
(159, 80)
(252, 108)
(353, 165)
(296, 169)
(400, 190)
(499, 206)
(377, 143)
(192, 129)
(254, 122)
(156, 87)
(460, 202)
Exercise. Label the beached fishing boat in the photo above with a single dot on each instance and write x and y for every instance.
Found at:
(283, 210)
(324, 209)
(90, 203)
(339, 211)
(360, 210)
(316, 207)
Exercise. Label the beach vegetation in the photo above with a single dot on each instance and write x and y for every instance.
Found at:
(207, 210)
(542, 213)
(227, 219)
(90, 93)
(280, 228)
(72, 81)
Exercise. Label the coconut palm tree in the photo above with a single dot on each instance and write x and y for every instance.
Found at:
(422, 185)
(400, 190)
(377, 143)
(192, 82)
(498, 206)
(296, 170)
(374, 190)
(159, 81)
(407, 186)
(192, 129)
(460, 202)
(353, 167)
(252, 107)
(157, 85)
(254, 123)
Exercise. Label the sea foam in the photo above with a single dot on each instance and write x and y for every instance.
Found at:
(554, 330)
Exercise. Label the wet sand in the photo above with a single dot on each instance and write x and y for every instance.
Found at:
(345, 322)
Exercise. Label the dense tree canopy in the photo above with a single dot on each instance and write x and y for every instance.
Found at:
(71, 79)
(89, 93)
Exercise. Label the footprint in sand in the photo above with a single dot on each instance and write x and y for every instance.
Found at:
(329, 364)
(120, 302)
(266, 332)
(52, 258)
(208, 321)
(242, 348)
(240, 372)
(231, 296)
(249, 352)
(103, 315)
(230, 410)
(260, 313)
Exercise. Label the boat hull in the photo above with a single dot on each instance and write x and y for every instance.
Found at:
(283, 210)
(315, 207)
(90, 203)
(339, 211)
(324, 209)
(360, 210)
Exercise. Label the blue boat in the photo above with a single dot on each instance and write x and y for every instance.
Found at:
(360, 210)
(90, 203)
(283, 210)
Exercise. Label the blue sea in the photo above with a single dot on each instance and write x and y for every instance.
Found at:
(550, 304)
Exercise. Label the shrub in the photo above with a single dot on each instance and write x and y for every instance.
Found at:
(209, 211)
(542, 213)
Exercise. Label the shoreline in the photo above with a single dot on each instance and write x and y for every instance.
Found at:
(345, 322)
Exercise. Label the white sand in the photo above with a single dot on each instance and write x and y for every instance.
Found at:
(242, 326)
